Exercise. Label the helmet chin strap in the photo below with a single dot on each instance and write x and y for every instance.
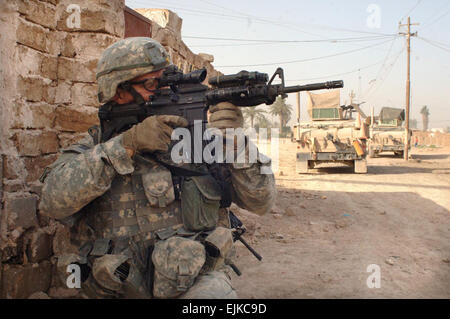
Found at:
(138, 98)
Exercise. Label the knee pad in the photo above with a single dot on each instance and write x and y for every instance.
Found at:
(212, 285)
(177, 262)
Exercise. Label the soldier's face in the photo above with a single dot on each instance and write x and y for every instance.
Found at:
(143, 84)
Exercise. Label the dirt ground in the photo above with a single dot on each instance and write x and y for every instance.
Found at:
(330, 225)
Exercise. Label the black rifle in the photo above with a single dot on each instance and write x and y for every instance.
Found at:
(239, 230)
(184, 95)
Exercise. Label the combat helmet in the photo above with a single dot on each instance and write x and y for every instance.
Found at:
(125, 60)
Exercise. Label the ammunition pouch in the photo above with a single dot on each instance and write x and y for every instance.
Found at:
(158, 186)
(218, 245)
(200, 202)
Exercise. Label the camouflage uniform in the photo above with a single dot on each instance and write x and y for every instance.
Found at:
(128, 223)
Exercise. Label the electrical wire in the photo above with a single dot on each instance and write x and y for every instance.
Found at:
(305, 60)
(391, 67)
(438, 11)
(412, 9)
(293, 41)
(381, 68)
(434, 44)
(337, 74)
(439, 18)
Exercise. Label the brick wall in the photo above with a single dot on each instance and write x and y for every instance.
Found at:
(48, 101)
(166, 28)
(431, 138)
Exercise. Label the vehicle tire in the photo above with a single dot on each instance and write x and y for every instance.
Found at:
(360, 166)
(372, 153)
(399, 153)
(301, 167)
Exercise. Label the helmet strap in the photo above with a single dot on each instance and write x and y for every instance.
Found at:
(138, 98)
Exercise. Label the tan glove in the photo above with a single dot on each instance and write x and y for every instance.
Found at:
(225, 115)
(152, 134)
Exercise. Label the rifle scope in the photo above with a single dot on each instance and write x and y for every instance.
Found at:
(172, 76)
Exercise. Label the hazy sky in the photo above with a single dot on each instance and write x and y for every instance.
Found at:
(375, 67)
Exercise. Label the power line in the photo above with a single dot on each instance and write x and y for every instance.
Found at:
(305, 60)
(434, 44)
(439, 10)
(412, 9)
(355, 39)
(387, 73)
(381, 68)
(337, 74)
(439, 18)
(311, 25)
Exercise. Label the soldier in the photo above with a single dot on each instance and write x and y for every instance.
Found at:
(138, 235)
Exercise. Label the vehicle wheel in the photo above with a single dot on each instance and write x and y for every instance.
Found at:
(301, 167)
(399, 153)
(361, 166)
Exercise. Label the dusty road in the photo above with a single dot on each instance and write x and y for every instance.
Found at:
(328, 226)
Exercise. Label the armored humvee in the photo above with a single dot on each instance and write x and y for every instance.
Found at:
(387, 133)
(332, 134)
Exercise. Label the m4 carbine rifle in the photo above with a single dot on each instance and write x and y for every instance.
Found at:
(184, 95)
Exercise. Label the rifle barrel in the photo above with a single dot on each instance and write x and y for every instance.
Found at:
(314, 86)
(242, 240)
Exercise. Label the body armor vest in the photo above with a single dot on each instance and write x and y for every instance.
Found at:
(137, 204)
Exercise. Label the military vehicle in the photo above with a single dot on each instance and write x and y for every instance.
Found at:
(332, 135)
(387, 133)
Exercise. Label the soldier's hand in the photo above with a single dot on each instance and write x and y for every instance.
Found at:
(225, 115)
(152, 134)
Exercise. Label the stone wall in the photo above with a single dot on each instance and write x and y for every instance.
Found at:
(431, 138)
(48, 101)
(166, 28)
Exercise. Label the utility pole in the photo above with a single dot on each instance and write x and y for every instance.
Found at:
(408, 81)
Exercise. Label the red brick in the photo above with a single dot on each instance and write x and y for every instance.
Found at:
(10, 168)
(77, 70)
(33, 115)
(35, 166)
(85, 94)
(49, 67)
(61, 242)
(86, 44)
(67, 139)
(38, 12)
(94, 19)
(32, 144)
(39, 247)
(74, 121)
(21, 212)
(33, 88)
(32, 35)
